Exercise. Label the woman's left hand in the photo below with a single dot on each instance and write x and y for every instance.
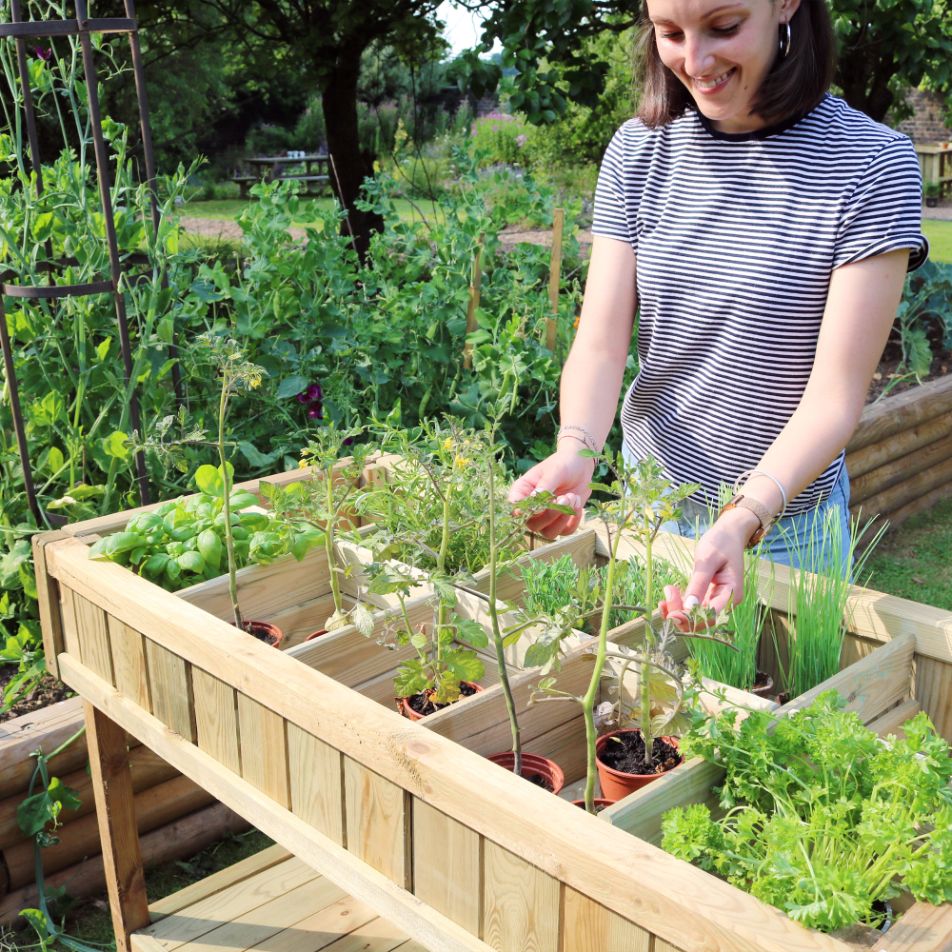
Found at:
(718, 577)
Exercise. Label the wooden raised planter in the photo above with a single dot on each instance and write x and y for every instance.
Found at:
(407, 817)
(900, 457)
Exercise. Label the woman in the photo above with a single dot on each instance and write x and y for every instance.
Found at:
(762, 229)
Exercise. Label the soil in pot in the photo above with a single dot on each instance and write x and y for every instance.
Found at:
(620, 758)
(417, 706)
(264, 631)
(539, 770)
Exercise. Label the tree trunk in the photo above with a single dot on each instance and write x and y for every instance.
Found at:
(339, 100)
(865, 88)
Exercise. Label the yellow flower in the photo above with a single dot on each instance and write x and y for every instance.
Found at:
(448, 443)
(460, 462)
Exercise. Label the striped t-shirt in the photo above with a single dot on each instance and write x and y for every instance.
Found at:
(735, 238)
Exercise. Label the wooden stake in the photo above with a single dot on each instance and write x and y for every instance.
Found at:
(474, 282)
(555, 276)
(122, 858)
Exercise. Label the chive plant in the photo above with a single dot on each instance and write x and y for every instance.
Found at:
(736, 664)
(818, 599)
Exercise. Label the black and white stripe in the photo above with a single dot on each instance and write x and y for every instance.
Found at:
(736, 238)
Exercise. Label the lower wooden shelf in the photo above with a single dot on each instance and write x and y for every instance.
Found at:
(270, 902)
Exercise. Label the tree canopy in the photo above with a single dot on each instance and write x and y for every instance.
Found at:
(886, 46)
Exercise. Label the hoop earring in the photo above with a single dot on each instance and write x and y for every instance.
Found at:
(786, 39)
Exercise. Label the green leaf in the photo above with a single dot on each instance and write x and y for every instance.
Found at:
(191, 562)
(472, 633)
(209, 480)
(210, 548)
(291, 386)
(419, 641)
(115, 445)
(102, 349)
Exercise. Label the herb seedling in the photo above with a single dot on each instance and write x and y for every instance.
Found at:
(823, 818)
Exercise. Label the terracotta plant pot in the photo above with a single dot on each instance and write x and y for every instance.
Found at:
(599, 803)
(617, 784)
(535, 768)
(408, 711)
(264, 631)
(316, 634)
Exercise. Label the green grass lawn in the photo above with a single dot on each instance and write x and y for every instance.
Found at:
(913, 561)
(939, 234)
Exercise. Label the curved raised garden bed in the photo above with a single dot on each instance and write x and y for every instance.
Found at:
(900, 457)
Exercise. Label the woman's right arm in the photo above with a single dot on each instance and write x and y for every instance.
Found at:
(590, 386)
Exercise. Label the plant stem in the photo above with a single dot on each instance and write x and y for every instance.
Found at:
(501, 665)
(644, 670)
(226, 502)
(329, 539)
(588, 700)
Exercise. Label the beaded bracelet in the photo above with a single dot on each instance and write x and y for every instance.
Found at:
(586, 439)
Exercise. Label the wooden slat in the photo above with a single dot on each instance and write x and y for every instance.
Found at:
(48, 601)
(176, 929)
(112, 786)
(933, 693)
(93, 636)
(640, 812)
(170, 689)
(264, 590)
(589, 927)
(216, 882)
(216, 719)
(891, 722)
(316, 783)
(264, 750)
(520, 903)
(378, 822)
(357, 878)
(325, 928)
(924, 928)
(447, 866)
(129, 663)
(662, 946)
(68, 618)
(258, 925)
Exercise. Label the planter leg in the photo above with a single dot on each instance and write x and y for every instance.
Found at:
(115, 810)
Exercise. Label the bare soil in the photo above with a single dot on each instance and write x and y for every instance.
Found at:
(49, 691)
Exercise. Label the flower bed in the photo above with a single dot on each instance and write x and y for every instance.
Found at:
(408, 817)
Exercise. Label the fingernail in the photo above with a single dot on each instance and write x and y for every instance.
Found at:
(691, 601)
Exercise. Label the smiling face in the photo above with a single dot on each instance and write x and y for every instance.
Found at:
(721, 50)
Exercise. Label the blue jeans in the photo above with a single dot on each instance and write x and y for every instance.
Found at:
(809, 540)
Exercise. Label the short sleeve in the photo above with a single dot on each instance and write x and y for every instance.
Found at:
(610, 218)
(884, 212)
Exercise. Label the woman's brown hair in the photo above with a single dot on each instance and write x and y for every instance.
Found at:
(794, 85)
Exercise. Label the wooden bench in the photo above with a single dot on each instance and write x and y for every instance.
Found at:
(244, 183)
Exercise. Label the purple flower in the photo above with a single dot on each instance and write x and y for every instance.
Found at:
(314, 392)
(302, 397)
(44, 53)
(315, 413)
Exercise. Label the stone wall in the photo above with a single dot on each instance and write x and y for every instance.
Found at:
(925, 125)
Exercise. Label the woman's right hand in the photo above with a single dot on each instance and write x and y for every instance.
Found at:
(567, 475)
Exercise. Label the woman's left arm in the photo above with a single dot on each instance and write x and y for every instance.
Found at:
(860, 309)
